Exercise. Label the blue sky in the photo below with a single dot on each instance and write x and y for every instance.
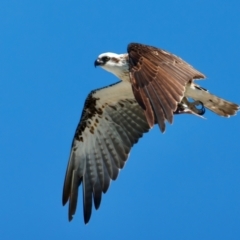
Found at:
(183, 184)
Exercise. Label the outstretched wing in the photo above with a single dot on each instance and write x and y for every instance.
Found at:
(111, 123)
(158, 81)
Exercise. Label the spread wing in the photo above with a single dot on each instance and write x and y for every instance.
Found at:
(158, 81)
(111, 123)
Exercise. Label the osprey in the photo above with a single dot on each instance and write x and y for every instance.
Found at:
(154, 86)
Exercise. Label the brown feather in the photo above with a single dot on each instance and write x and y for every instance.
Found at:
(162, 77)
(148, 109)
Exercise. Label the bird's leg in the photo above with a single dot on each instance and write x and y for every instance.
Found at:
(193, 107)
(182, 107)
(185, 106)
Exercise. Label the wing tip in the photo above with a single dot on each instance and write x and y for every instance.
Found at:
(64, 199)
(70, 217)
(87, 215)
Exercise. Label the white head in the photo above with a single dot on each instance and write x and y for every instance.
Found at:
(114, 63)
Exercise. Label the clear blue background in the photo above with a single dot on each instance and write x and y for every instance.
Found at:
(184, 184)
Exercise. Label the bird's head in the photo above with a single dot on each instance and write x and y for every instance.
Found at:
(114, 63)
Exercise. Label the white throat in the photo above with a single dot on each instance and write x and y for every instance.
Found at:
(120, 72)
(118, 65)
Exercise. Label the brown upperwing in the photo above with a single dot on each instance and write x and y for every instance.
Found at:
(158, 81)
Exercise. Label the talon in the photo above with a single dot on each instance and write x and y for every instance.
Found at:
(199, 111)
(185, 106)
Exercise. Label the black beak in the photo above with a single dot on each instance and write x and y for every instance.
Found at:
(98, 62)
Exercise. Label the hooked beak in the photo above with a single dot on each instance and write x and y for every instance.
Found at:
(98, 62)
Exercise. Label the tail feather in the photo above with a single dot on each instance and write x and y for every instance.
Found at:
(217, 105)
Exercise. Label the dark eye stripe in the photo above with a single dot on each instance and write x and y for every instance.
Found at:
(105, 59)
(116, 60)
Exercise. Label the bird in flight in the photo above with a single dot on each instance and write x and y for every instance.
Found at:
(154, 86)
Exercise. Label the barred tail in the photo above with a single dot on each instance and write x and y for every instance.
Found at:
(217, 105)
